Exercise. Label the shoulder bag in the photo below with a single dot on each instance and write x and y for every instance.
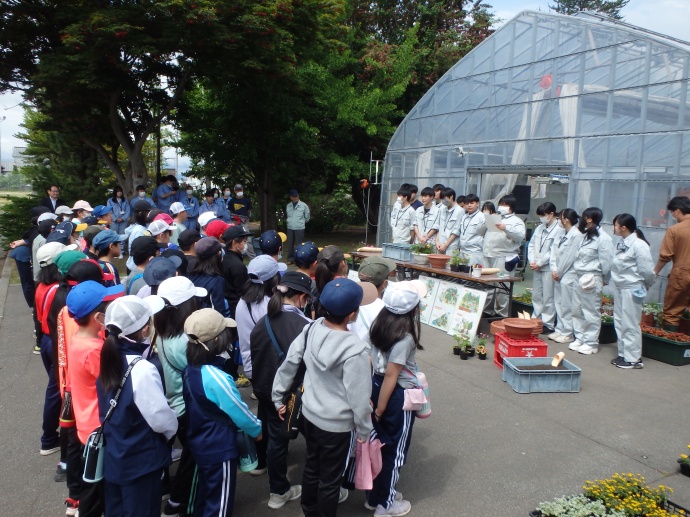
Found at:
(292, 422)
(95, 443)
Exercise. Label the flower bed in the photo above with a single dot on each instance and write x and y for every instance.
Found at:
(668, 347)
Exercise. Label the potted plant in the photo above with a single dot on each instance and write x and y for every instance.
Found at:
(420, 251)
(522, 303)
(684, 464)
(651, 314)
(480, 346)
(462, 345)
(575, 505)
(607, 333)
(455, 261)
(667, 347)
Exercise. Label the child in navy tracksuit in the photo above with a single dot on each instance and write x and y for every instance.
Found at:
(394, 336)
(142, 425)
(215, 410)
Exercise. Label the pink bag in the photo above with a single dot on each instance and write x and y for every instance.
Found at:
(414, 399)
(368, 463)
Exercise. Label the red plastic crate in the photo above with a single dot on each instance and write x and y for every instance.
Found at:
(506, 346)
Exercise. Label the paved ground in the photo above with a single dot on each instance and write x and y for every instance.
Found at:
(485, 452)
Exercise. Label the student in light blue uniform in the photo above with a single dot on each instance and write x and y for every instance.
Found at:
(165, 194)
(191, 205)
(141, 196)
(593, 269)
(425, 218)
(121, 212)
(403, 218)
(211, 204)
(215, 410)
(472, 228)
(448, 223)
(632, 274)
(539, 257)
(563, 255)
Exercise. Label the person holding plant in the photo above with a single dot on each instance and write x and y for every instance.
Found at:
(593, 269)
(395, 338)
(632, 274)
(562, 257)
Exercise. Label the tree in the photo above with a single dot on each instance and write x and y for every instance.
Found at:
(109, 72)
(611, 8)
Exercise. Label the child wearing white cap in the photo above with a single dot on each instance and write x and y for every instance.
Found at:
(142, 424)
(394, 337)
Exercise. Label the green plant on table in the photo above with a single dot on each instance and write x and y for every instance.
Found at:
(459, 259)
(576, 506)
(628, 493)
(684, 460)
(654, 309)
(422, 248)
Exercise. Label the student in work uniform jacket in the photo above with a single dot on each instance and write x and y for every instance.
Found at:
(448, 226)
(539, 257)
(594, 256)
(632, 269)
(424, 221)
(472, 226)
(562, 257)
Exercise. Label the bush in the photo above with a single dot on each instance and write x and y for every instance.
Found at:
(15, 218)
(332, 212)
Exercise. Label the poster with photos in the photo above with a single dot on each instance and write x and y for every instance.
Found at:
(468, 312)
(426, 304)
(444, 306)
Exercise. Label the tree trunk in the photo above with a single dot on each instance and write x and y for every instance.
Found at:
(269, 219)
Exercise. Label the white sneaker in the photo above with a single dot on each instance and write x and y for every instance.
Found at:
(553, 336)
(564, 339)
(397, 509)
(278, 501)
(344, 494)
(258, 472)
(398, 497)
(588, 349)
(575, 345)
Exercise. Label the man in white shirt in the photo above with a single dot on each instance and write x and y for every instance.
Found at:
(472, 227)
(425, 217)
(402, 218)
(448, 223)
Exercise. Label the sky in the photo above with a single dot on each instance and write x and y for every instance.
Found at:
(671, 17)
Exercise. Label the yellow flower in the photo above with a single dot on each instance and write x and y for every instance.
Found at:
(684, 456)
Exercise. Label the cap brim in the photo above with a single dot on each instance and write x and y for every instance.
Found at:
(71, 247)
(154, 302)
(282, 267)
(370, 293)
(282, 236)
(200, 292)
(230, 323)
(80, 227)
(419, 286)
(114, 292)
(175, 260)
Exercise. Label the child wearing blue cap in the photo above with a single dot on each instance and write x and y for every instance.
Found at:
(86, 303)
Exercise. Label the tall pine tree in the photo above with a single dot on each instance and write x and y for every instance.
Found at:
(610, 8)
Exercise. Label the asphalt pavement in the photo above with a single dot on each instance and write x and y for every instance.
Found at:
(486, 451)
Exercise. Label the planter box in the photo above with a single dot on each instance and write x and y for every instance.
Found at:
(670, 507)
(665, 350)
(520, 307)
(397, 251)
(607, 334)
(540, 381)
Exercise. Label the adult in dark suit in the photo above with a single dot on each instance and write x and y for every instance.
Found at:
(53, 200)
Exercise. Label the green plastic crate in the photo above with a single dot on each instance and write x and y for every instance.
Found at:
(665, 350)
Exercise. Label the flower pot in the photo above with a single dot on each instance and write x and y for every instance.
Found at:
(455, 268)
(420, 259)
(463, 355)
(648, 319)
(464, 268)
(607, 334)
(482, 356)
(438, 261)
(470, 352)
(456, 350)
(685, 469)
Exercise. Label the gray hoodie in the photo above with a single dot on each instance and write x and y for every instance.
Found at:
(337, 383)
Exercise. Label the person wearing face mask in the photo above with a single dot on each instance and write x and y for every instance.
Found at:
(593, 269)
(472, 228)
(286, 319)
(142, 424)
(448, 223)
(121, 212)
(632, 274)
(240, 205)
(226, 196)
(502, 244)
(562, 256)
(141, 196)
(425, 217)
(191, 206)
(675, 247)
(402, 218)
(539, 257)
(234, 270)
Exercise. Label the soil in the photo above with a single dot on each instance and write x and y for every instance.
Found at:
(542, 367)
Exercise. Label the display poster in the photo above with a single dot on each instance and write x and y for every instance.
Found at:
(446, 300)
(465, 319)
(426, 304)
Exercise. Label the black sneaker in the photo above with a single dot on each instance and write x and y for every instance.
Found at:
(638, 365)
(171, 511)
(60, 474)
(628, 366)
(616, 360)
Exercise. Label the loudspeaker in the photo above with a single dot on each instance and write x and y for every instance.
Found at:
(523, 195)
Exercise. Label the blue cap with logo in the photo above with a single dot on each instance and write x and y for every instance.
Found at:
(271, 241)
(306, 253)
(341, 296)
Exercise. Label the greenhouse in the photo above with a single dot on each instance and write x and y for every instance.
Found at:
(578, 110)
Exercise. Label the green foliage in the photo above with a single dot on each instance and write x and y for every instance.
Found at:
(422, 249)
(611, 8)
(15, 218)
(332, 212)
